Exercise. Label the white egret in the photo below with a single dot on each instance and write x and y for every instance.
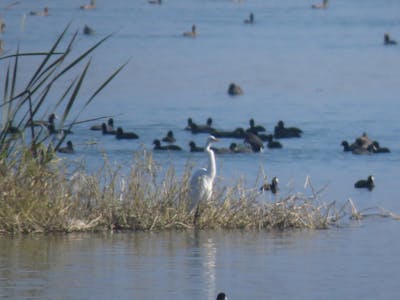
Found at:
(201, 183)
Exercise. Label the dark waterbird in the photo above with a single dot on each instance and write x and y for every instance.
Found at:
(120, 134)
(222, 296)
(250, 20)
(196, 128)
(235, 148)
(254, 141)
(52, 127)
(99, 127)
(194, 148)
(256, 129)
(387, 40)
(273, 186)
(376, 148)
(280, 131)
(368, 183)
(273, 144)
(234, 89)
(238, 133)
(107, 130)
(169, 138)
(67, 149)
(157, 146)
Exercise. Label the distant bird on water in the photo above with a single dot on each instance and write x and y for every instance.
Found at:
(157, 146)
(222, 296)
(91, 5)
(120, 134)
(191, 33)
(201, 182)
(322, 5)
(369, 183)
(169, 138)
(387, 40)
(68, 149)
(273, 186)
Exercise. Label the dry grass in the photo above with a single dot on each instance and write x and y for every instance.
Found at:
(44, 198)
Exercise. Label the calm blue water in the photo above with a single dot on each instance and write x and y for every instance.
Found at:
(325, 71)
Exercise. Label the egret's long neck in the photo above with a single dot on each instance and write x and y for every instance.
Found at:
(211, 161)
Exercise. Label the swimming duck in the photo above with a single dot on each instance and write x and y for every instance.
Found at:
(273, 186)
(273, 144)
(99, 127)
(169, 138)
(280, 131)
(250, 20)
(192, 33)
(207, 128)
(376, 148)
(322, 5)
(43, 13)
(369, 183)
(120, 134)
(88, 30)
(194, 148)
(52, 127)
(91, 5)
(238, 133)
(387, 40)
(254, 141)
(157, 146)
(68, 149)
(234, 89)
(154, 1)
(107, 129)
(222, 296)
(235, 148)
(256, 129)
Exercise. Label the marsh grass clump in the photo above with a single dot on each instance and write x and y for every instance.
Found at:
(45, 198)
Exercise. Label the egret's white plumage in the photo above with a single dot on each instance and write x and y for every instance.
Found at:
(201, 183)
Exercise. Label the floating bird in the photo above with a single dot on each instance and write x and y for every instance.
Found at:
(191, 33)
(322, 5)
(169, 138)
(376, 148)
(234, 89)
(273, 186)
(280, 131)
(120, 134)
(194, 148)
(91, 5)
(43, 13)
(235, 148)
(68, 149)
(222, 296)
(207, 128)
(255, 129)
(369, 183)
(109, 125)
(157, 146)
(238, 133)
(387, 40)
(273, 144)
(88, 30)
(154, 1)
(201, 182)
(52, 127)
(107, 130)
(250, 20)
(254, 141)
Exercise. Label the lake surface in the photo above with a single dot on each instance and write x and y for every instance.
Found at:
(325, 71)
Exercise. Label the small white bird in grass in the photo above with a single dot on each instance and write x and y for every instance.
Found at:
(201, 183)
